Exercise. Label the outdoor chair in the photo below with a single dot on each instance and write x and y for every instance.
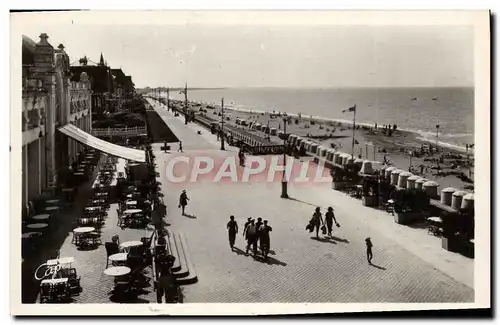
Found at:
(61, 292)
(389, 206)
(45, 293)
(434, 226)
(74, 286)
(95, 237)
(136, 265)
(111, 248)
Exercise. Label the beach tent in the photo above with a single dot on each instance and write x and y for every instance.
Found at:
(410, 182)
(403, 179)
(446, 195)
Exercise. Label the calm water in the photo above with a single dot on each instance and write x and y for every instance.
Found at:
(414, 109)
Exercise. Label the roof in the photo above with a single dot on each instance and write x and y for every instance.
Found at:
(28, 50)
(99, 76)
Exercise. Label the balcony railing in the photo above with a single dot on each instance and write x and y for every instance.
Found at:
(126, 131)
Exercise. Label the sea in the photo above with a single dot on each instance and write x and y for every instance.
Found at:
(417, 110)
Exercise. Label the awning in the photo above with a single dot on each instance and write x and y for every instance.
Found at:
(83, 137)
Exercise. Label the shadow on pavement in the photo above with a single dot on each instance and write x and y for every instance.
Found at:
(191, 216)
(324, 240)
(269, 260)
(377, 266)
(238, 251)
(342, 240)
(300, 201)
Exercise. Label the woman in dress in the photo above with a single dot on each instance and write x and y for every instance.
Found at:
(265, 240)
(317, 220)
(232, 228)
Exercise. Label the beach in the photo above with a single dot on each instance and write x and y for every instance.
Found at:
(370, 143)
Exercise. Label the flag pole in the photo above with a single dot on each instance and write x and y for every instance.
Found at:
(353, 130)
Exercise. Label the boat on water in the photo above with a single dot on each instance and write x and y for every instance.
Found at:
(434, 98)
(414, 98)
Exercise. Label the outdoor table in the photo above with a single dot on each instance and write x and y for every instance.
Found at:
(129, 244)
(55, 281)
(51, 208)
(78, 233)
(118, 258)
(132, 211)
(37, 225)
(63, 260)
(435, 219)
(55, 201)
(41, 217)
(30, 234)
(117, 271)
(93, 208)
(131, 203)
(83, 230)
(129, 196)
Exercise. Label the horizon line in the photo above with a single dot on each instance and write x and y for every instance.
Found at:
(309, 87)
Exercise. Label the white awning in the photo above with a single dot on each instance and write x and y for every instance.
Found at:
(84, 138)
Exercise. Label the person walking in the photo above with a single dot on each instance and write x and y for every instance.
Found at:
(317, 220)
(369, 253)
(251, 232)
(232, 228)
(329, 219)
(245, 227)
(180, 147)
(183, 199)
(165, 285)
(258, 224)
(265, 240)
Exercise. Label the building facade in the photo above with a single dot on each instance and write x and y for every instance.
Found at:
(50, 100)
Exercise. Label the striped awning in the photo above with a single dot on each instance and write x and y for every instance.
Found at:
(84, 138)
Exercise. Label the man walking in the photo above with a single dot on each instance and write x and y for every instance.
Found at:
(180, 146)
(265, 240)
(329, 219)
(183, 199)
(232, 228)
(369, 253)
(249, 220)
(252, 237)
(258, 225)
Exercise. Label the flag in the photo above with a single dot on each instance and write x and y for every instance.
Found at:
(350, 109)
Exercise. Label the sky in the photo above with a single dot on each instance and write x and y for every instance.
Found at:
(274, 55)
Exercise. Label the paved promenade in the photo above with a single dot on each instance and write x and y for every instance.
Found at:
(410, 265)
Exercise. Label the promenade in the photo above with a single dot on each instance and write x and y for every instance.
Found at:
(409, 265)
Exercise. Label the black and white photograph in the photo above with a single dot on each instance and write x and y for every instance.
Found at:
(162, 161)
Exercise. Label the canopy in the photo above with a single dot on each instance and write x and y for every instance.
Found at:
(84, 138)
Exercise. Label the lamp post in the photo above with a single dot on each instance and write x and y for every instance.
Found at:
(437, 138)
(411, 153)
(168, 99)
(222, 126)
(284, 182)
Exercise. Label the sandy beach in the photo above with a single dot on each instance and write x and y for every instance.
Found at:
(370, 143)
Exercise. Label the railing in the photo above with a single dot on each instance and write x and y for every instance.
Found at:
(267, 150)
(126, 131)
